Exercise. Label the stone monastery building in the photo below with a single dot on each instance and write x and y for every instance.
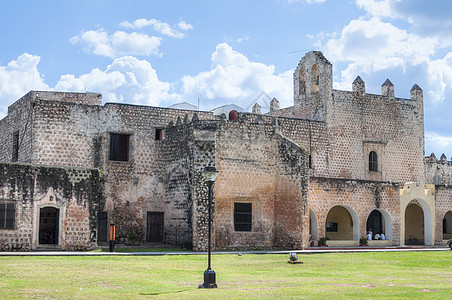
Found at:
(336, 164)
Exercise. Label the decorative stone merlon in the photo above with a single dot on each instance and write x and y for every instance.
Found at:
(256, 109)
(416, 93)
(274, 105)
(359, 86)
(387, 89)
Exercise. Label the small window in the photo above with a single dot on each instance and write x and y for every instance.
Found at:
(119, 147)
(373, 161)
(331, 227)
(7, 212)
(15, 155)
(159, 134)
(242, 216)
(310, 161)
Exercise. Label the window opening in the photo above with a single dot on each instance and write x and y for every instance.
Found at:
(331, 226)
(159, 134)
(242, 216)
(7, 212)
(15, 146)
(373, 161)
(119, 147)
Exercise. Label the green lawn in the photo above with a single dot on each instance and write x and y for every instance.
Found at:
(329, 276)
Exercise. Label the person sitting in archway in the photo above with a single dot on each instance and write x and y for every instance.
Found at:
(382, 236)
(369, 235)
(377, 236)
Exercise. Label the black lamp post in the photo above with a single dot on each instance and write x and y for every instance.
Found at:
(209, 275)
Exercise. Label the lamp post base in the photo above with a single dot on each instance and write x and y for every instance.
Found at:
(209, 280)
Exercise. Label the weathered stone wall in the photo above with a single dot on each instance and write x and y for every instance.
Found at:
(76, 192)
(257, 165)
(443, 204)
(19, 120)
(71, 129)
(359, 196)
(438, 171)
(393, 128)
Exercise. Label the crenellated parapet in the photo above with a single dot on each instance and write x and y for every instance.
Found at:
(438, 171)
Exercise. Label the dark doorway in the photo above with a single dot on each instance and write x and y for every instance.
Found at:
(102, 227)
(49, 225)
(155, 227)
(374, 222)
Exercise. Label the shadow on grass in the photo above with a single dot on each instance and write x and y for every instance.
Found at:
(144, 249)
(157, 294)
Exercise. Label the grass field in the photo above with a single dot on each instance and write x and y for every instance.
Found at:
(337, 275)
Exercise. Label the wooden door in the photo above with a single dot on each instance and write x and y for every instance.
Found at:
(155, 223)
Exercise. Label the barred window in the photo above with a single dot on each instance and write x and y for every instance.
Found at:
(242, 216)
(373, 161)
(7, 212)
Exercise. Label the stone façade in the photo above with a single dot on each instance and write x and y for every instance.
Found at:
(295, 167)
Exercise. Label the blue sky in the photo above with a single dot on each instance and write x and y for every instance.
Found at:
(221, 52)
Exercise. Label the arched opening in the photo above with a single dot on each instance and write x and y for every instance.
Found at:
(342, 224)
(415, 224)
(315, 78)
(374, 223)
(373, 161)
(313, 226)
(233, 115)
(49, 219)
(302, 82)
(447, 226)
(379, 221)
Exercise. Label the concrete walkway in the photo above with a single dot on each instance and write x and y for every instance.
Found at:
(311, 250)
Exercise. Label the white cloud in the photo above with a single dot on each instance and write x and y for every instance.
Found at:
(378, 8)
(440, 76)
(233, 77)
(17, 78)
(436, 143)
(184, 26)
(373, 45)
(125, 79)
(159, 26)
(118, 44)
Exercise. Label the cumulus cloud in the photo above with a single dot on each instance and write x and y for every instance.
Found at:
(436, 143)
(373, 45)
(159, 26)
(234, 78)
(440, 76)
(120, 43)
(17, 78)
(125, 79)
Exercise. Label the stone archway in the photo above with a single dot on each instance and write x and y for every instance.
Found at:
(447, 226)
(342, 224)
(380, 222)
(313, 226)
(414, 199)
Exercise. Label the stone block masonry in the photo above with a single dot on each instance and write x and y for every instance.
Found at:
(54, 206)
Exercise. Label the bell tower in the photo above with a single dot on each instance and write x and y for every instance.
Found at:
(313, 86)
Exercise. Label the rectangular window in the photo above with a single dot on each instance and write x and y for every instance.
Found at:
(159, 134)
(119, 147)
(15, 155)
(331, 227)
(242, 216)
(7, 212)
